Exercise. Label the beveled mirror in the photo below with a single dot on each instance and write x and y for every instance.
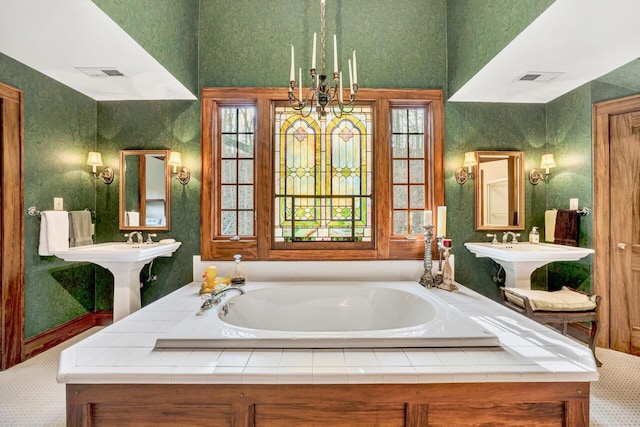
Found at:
(499, 188)
(145, 190)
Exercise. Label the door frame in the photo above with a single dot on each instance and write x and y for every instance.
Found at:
(11, 228)
(602, 199)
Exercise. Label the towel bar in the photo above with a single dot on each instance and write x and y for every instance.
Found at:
(33, 211)
(583, 212)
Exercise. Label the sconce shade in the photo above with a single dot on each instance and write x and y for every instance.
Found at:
(94, 159)
(547, 161)
(175, 159)
(470, 159)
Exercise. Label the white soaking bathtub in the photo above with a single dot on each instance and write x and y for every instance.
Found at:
(328, 315)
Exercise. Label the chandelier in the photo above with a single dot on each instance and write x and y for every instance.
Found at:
(323, 95)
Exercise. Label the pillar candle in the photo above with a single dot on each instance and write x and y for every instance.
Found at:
(335, 54)
(350, 78)
(292, 77)
(355, 68)
(313, 60)
(427, 218)
(441, 229)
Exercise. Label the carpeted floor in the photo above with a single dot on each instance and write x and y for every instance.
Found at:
(31, 397)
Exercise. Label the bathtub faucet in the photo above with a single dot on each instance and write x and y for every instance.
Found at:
(216, 298)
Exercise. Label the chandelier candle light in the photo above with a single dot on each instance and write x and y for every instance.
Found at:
(323, 95)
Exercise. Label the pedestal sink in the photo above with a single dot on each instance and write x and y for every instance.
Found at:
(519, 260)
(124, 261)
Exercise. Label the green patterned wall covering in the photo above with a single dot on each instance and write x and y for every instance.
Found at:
(59, 131)
(173, 125)
(167, 29)
(569, 139)
(477, 30)
(480, 127)
(624, 81)
(398, 44)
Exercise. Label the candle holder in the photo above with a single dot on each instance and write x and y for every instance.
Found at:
(427, 279)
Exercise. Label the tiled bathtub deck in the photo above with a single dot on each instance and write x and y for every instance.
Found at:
(123, 353)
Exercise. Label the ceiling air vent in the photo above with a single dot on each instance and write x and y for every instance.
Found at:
(101, 71)
(541, 77)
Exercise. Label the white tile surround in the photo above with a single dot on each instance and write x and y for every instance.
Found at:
(123, 352)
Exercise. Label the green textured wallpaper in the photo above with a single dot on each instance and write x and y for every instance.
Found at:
(477, 30)
(624, 81)
(173, 125)
(59, 131)
(569, 139)
(167, 29)
(207, 43)
(398, 43)
(480, 127)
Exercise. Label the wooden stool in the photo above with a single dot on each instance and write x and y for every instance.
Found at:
(561, 313)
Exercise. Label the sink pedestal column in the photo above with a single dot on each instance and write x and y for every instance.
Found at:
(126, 287)
(519, 277)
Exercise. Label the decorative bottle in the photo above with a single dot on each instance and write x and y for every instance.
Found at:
(238, 277)
(447, 271)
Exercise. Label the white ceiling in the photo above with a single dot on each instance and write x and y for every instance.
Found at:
(56, 37)
(580, 40)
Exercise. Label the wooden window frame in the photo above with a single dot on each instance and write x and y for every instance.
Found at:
(260, 247)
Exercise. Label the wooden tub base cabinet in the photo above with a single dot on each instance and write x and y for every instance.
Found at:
(267, 405)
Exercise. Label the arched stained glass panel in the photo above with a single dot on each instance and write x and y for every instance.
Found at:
(322, 177)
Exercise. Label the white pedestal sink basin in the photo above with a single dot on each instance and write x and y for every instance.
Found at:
(519, 260)
(125, 262)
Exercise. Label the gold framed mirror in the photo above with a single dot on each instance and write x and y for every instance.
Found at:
(499, 190)
(145, 190)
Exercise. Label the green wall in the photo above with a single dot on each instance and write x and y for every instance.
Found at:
(167, 29)
(59, 131)
(477, 30)
(400, 44)
(173, 125)
(247, 42)
(480, 127)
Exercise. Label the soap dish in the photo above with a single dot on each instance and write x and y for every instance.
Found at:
(167, 241)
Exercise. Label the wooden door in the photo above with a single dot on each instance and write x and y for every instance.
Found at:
(11, 228)
(624, 309)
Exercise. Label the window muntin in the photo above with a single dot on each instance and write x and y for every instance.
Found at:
(408, 169)
(317, 162)
(237, 176)
(262, 246)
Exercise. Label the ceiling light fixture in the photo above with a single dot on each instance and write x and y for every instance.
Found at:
(321, 93)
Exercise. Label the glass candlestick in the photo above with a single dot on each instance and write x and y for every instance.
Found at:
(426, 279)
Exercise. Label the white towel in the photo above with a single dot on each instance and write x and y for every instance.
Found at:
(550, 225)
(54, 232)
(132, 219)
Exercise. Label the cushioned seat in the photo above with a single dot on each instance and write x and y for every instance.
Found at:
(562, 300)
(565, 307)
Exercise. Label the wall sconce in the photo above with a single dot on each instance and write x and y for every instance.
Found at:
(183, 175)
(469, 162)
(547, 163)
(94, 160)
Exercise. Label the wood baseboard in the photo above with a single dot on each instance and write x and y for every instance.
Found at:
(52, 337)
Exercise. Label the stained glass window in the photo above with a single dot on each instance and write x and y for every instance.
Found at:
(323, 176)
(237, 206)
(408, 172)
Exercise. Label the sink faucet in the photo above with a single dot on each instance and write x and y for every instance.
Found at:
(514, 236)
(134, 233)
(215, 298)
